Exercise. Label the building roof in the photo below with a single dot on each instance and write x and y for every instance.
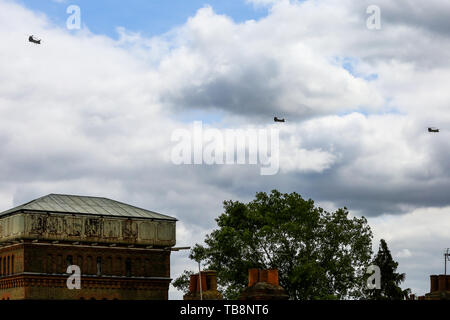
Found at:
(63, 203)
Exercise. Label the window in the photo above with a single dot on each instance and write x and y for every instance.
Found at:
(59, 264)
(147, 267)
(7, 265)
(69, 260)
(137, 269)
(80, 262)
(109, 266)
(128, 267)
(1, 269)
(119, 266)
(12, 264)
(50, 263)
(89, 265)
(99, 266)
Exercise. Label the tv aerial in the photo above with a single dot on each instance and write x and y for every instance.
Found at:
(446, 258)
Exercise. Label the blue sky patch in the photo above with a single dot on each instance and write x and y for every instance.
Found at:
(350, 64)
(149, 17)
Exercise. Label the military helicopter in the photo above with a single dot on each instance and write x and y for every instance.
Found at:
(33, 40)
(278, 120)
(431, 129)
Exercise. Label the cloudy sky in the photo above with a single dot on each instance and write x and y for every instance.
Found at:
(91, 111)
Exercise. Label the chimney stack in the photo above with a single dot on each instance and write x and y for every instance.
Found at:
(209, 286)
(258, 275)
(439, 288)
(263, 285)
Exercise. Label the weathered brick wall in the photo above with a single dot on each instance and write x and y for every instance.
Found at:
(12, 294)
(40, 272)
(55, 289)
(16, 260)
(54, 259)
(11, 264)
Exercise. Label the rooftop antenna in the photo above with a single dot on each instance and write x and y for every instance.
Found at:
(446, 257)
(200, 279)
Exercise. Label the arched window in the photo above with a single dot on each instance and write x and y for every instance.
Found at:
(128, 267)
(147, 267)
(109, 266)
(80, 263)
(89, 265)
(49, 268)
(99, 266)
(137, 269)
(69, 260)
(119, 266)
(59, 264)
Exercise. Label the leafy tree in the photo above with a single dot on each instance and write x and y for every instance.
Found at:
(319, 255)
(390, 279)
(182, 282)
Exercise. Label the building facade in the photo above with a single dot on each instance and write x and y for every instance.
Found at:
(123, 251)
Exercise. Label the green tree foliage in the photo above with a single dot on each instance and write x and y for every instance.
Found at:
(182, 282)
(390, 279)
(318, 254)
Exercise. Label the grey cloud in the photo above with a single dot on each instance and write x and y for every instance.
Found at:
(249, 92)
(102, 126)
(432, 16)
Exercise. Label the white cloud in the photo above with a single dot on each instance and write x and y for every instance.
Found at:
(417, 240)
(85, 114)
(404, 253)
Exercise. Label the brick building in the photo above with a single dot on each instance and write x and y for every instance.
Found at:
(439, 288)
(123, 251)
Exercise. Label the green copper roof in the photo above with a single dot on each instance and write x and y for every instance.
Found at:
(63, 203)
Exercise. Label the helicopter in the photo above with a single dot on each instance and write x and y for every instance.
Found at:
(431, 129)
(33, 40)
(278, 120)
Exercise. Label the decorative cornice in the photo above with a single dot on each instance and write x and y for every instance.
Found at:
(87, 282)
